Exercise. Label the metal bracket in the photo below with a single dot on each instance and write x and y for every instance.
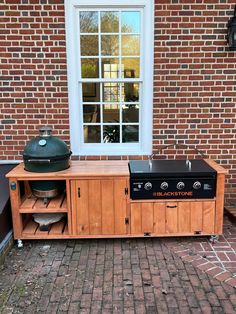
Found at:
(147, 234)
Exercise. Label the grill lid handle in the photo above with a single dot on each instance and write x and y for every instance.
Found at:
(45, 131)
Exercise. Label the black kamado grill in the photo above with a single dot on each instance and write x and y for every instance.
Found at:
(46, 153)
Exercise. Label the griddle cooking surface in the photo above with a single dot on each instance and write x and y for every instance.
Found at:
(167, 168)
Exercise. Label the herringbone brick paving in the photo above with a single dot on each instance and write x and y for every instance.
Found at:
(108, 276)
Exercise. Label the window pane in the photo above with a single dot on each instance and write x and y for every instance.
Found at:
(111, 134)
(90, 68)
(111, 113)
(130, 133)
(109, 22)
(92, 134)
(91, 113)
(130, 22)
(130, 92)
(88, 22)
(110, 68)
(130, 113)
(110, 45)
(130, 45)
(89, 45)
(91, 92)
(130, 67)
(111, 92)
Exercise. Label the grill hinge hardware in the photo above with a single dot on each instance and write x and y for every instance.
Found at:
(197, 232)
(126, 191)
(147, 234)
(78, 192)
(126, 220)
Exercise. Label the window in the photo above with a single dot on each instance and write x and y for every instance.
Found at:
(110, 62)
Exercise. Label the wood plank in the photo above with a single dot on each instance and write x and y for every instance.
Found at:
(15, 205)
(196, 216)
(30, 228)
(95, 212)
(216, 166)
(120, 204)
(147, 217)
(56, 202)
(136, 219)
(171, 217)
(57, 228)
(184, 217)
(107, 206)
(29, 203)
(219, 206)
(39, 204)
(159, 218)
(209, 217)
(81, 206)
(78, 169)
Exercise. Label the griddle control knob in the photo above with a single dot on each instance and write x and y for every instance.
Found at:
(148, 186)
(180, 185)
(197, 185)
(164, 185)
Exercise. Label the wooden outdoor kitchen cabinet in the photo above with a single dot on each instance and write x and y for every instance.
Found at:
(96, 204)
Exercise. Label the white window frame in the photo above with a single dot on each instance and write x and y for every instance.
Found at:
(144, 147)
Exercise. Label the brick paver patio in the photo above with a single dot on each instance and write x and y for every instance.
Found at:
(118, 276)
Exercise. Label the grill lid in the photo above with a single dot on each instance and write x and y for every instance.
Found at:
(169, 168)
(46, 146)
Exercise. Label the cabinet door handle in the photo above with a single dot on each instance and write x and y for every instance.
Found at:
(170, 206)
(78, 192)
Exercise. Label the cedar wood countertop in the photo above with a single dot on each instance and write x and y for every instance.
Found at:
(96, 168)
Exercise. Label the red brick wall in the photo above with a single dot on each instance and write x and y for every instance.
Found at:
(194, 81)
(33, 81)
(194, 78)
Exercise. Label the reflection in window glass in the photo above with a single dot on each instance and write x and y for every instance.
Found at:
(92, 134)
(130, 45)
(91, 92)
(130, 67)
(91, 113)
(110, 45)
(130, 113)
(109, 22)
(89, 68)
(130, 22)
(111, 113)
(110, 68)
(88, 22)
(111, 92)
(130, 92)
(89, 45)
(130, 133)
(111, 133)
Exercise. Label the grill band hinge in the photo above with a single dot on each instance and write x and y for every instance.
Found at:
(78, 192)
(126, 220)
(126, 191)
(197, 232)
(147, 234)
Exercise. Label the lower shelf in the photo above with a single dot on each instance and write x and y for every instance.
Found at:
(57, 230)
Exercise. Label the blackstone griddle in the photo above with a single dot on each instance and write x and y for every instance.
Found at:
(171, 179)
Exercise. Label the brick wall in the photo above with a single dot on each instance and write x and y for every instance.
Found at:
(194, 78)
(33, 81)
(194, 82)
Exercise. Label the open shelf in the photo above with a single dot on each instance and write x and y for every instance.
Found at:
(33, 204)
(59, 228)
